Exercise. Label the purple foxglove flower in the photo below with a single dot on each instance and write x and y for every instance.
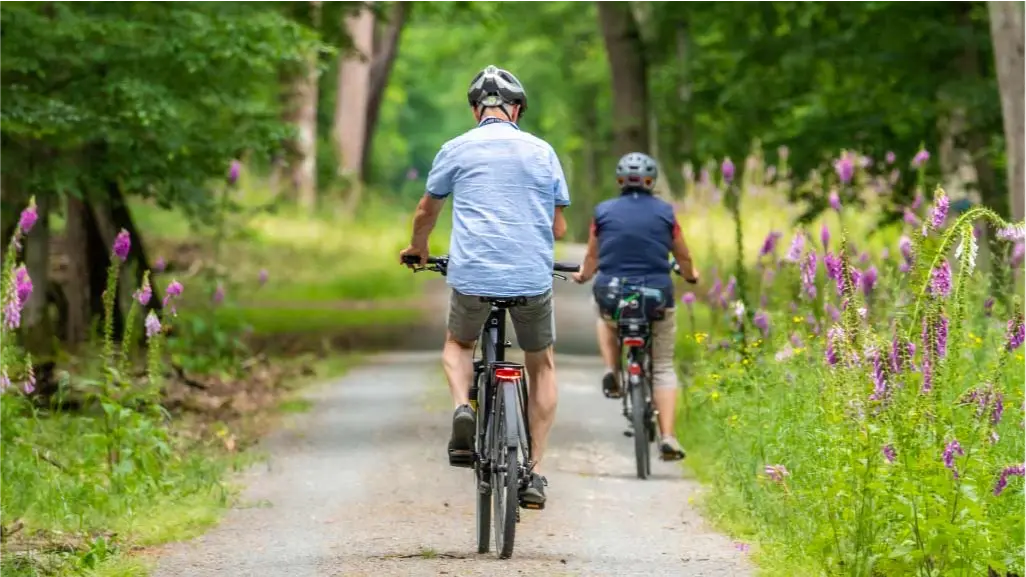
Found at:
(122, 244)
(808, 275)
(942, 336)
(264, 276)
(920, 158)
(233, 172)
(835, 201)
(889, 453)
(30, 382)
(879, 378)
(952, 448)
(794, 253)
(1012, 232)
(145, 293)
(863, 258)
(845, 169)
(22, 285)
(1018, 251)
(731, 287)
(833, 266)
(939, 213)
(688, 299)
(776, 473)
(940, 280)
(762, 322)
(833, 335)
(905, 246)
(796, 340)
(910, 218)
(28, 217)
(742, 547)
(890, 157)
(824, 237)
(917, 201)
(769, 245)
(1014, 334)
(988, 306)
(152, 325)
(174, 290)
(998, 410)
(834, 312)
(160, 264)
(868, 280)
(218, 294)
(714, 292)
(12, 310)
(1013, 471)
(727, 169)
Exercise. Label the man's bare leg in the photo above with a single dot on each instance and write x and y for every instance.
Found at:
(610, 350)
(458, 364)
(542, 400)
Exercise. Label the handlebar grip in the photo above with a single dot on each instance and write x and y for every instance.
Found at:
(411, 259)
(565, 267)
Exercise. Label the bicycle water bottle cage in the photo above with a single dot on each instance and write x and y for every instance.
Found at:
(505, 303)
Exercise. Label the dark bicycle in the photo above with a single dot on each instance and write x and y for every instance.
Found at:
(501, 458)
(637, 307)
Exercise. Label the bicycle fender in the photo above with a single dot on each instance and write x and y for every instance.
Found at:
(509, 412)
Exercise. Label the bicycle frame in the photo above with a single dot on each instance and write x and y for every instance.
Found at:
(632, 345)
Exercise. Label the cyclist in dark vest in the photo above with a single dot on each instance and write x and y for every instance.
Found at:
(630, 242)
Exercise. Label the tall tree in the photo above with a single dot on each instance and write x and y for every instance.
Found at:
(386, 49)
(1006, 29)
(354, 76)
(628, 69)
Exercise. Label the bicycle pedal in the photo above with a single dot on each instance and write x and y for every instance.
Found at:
(628, 433)
(531, 506)
(463, 459)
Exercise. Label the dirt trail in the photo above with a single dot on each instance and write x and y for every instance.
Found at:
(361, 486)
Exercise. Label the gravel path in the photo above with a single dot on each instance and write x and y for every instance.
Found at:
(361, 486)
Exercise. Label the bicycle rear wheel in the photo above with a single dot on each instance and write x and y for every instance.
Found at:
(641, 425)
(506, 473)
(483, 476)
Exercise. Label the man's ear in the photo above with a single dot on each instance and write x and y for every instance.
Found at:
(476, 112)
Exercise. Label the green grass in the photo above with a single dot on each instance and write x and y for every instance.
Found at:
(270, 321)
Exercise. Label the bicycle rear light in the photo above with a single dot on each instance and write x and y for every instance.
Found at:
(633, 342)
(634, 369)
(507, 374)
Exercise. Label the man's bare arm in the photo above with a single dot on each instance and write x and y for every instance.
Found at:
(590, 265)
(424, 219)
(683, 256)
(559, 224)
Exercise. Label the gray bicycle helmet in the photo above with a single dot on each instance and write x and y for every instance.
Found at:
(636, 170)
(495, 87)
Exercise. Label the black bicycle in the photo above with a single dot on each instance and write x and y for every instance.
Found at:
(501, 458)
(634, 315)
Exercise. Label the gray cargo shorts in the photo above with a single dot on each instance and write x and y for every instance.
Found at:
(534, 322)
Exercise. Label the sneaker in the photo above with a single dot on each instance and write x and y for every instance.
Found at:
(533, 496)
(670, 449)
(610, 388)
(463, 429)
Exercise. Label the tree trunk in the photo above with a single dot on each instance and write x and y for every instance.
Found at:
(628, 70)
(354, 77)
(36, 326)
(1006, 31)
(381, 69)
(302, 169)
(77, 293)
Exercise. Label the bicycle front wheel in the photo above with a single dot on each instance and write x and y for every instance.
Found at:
(483, 476)
(641, 425)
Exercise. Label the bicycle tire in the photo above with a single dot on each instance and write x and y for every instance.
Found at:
(642, 446)
(506, 474)
(483, 476)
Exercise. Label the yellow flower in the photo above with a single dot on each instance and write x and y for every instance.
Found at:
(691, 499)
(714, 376)
(796, 319)
(799, 350)
(979, 341)
(699, 337)
(715, 395)
(744, 361)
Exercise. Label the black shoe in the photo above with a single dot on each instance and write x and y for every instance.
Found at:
(461, 444)
(533, 497)
(670, 449)
(610, 388)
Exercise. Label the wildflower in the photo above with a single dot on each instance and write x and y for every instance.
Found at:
(808, 275)
(784, 353)
(727, 169)
(845, 169)
(942, 336)
(834, 312)
(742, 547)
(1018, 251)
(890, 157)
(910, 217)
(905, 246)
(22, 285)
(917, 201)
(233, 171)
(940, 280)
(927, 375)
(761, 321)
(1014, 333)
(1014, 470)
(145, 292)
(973, 251)
(160, 264)
(794, 253)
(769, 245)
(879, 378)
(898, 355)
(715, 290)
(28, 217)
(863, 258)
(776, 473)
(835, 201)
(264, 275)
(833, 266)
(920, 158)
(152, 325)
(939, 213)
(950, 451)
(122, 244)
(1011, 232)
(739, 309)
(889, 453)
(688, 299)
(998, 410)
(12, 310)
(731, 287)
(833, 335)
(867, 280)
(5, 381)
(218, 297)
(824, 236)
(174, 290)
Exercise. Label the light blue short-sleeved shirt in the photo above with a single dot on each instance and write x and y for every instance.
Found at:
(506, 185)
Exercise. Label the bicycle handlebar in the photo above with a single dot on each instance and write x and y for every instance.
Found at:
(440, 264)
(675, 266)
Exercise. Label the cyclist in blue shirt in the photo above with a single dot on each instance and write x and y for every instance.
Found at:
(508, 195)
(630, 242)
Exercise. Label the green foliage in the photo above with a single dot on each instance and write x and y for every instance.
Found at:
(156, 98)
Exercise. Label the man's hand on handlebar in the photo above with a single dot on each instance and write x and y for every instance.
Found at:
(690, 276)
(411, 252)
